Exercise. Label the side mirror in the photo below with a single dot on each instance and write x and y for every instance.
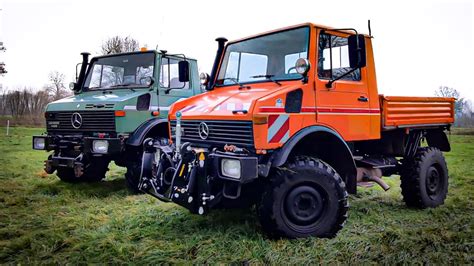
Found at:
(183, 67)
(357, 51)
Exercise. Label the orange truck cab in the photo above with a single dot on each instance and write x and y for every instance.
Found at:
(293, 122)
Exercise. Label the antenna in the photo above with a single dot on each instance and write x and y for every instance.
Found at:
(370, 30)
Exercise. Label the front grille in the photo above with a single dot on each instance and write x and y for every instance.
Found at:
(238, 133)
(97, 121)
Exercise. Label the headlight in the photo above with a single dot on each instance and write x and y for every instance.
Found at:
(100, 146)
(231, 168)
(39, 143)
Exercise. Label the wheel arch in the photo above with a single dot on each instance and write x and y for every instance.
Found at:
(327, 145)
(437, 138)
(157, 126)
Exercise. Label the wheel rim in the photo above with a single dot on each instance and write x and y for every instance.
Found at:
(434, 181)
(304, 205)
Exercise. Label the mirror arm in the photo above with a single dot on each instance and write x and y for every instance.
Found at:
(305, 79)
(351, 29)
(329, 84)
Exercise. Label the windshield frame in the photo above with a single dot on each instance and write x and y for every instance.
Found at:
(255, 37)
(93, 60)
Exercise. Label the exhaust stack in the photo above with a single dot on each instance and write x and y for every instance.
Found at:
(82, 73)
(220, 49)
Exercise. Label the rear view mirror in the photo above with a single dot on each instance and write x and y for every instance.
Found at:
(77, 70)
(357, 51)
(183, 71)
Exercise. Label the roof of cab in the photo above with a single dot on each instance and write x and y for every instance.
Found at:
(292, 27)
(147, 51)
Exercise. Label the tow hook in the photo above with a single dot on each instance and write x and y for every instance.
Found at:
(204, 200)
(78, 169)
(48, 166)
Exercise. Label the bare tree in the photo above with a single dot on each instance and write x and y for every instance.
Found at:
(38, 102)
(119, 44)
(3, 70)
(3, 101)
(445, 91)
(26, 105)
(56, 88)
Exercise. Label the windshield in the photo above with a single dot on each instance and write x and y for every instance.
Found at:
(271, 56)
(121, 71)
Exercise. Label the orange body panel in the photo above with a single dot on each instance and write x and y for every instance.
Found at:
(337, 108)
(415, 111)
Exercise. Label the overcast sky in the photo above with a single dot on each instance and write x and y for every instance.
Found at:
(418, 45)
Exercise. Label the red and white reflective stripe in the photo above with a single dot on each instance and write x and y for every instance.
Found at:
(323, 110)
(278, 128)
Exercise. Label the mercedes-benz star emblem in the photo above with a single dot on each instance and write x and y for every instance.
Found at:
(76, 120)
(203, 130)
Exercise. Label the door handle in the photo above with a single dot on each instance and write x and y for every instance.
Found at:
(363, 99)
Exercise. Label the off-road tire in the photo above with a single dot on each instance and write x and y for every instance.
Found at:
(93, 172)
(424, 179)
(322, 211)
(132, 176)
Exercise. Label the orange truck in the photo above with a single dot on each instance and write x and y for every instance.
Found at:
(292, 122)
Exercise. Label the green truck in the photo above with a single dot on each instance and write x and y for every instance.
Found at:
(119, 101)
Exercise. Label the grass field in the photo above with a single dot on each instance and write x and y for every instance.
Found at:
(43, 220)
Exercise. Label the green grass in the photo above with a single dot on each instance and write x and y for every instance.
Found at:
(43, 220)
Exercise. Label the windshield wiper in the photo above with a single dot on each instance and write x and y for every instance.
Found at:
(236, 81)
(269, 77)
(123, 86)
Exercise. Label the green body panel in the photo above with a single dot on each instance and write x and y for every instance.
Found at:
(126, 99)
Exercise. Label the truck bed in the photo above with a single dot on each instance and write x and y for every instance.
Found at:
(405, 112)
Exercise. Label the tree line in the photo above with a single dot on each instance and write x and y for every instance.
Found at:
(462, 107)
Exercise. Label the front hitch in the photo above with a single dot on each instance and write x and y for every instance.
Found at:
(184, 181)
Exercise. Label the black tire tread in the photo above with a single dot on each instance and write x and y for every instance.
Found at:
(410, 176)
(268, 220)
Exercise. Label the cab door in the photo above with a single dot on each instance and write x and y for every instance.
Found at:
(171, 89)
(345, 105)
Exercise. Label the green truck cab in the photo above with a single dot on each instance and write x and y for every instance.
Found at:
(119, 100)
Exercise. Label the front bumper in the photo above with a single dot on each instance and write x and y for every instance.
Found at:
(79, 144)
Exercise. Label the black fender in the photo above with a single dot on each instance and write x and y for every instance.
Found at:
(156, 126)
(327, 145)
(437, 138)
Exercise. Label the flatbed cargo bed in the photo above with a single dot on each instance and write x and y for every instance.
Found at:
(406, 112)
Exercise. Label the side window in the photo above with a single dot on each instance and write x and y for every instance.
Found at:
(169, 76)
(333, 58)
